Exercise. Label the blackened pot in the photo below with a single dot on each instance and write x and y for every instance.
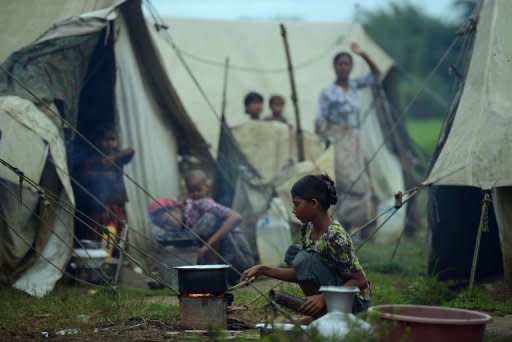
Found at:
(202, 278)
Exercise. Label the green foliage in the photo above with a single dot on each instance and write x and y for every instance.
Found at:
(428, 291)
(481, 299)
(416, 42)
(425, 133)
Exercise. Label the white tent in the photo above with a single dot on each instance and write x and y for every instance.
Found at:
(476, 150)
(148, 112)
(257, 62)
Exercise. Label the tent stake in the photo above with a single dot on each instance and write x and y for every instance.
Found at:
(300, 139)
(122, 245)
(481, 227)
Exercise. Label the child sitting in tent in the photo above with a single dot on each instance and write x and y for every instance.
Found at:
(253, 102)
(105, 182)
(326, 256)
(213, 223)
(197, 184)
(276, 104)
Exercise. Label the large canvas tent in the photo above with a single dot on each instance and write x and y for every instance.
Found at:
(83, 61)
(257, 62)
(474, 150)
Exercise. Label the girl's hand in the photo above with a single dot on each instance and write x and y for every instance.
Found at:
(254, 271)
(314, 306)
(356, 49)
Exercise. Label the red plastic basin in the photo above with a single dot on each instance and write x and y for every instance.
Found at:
(418, 323)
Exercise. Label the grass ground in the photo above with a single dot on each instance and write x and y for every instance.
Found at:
(152, 315)
(402, 280)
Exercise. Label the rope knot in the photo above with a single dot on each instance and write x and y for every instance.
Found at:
(399, 200)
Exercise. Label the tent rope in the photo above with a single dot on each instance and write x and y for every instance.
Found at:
(131, 179)
(270, 300)
(43, 197)
(402, 116)
(39, 254)
(71, 210)
(159, 25)
(394, 211)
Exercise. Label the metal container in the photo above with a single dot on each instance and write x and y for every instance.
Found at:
(200, 313)
(419, 323)
(339, 298)
(202, 278)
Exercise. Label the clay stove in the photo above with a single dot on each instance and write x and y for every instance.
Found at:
(203, 297)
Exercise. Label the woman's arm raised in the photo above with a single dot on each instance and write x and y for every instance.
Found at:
(373, 67)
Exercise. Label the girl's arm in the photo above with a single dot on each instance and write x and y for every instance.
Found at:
(358, 279)
(284, 274)
(232, 220)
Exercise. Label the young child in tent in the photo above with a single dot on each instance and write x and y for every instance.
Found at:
(106, 183)
(276, 104)
(197, 184)
(214, 223)
(326, 256)
(253, 102)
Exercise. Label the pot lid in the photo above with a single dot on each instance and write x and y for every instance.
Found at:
(339, 289)
(202, 267)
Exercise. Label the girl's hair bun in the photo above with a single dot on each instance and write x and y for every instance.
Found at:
(331, 188)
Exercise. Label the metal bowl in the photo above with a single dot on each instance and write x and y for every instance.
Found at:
(339, 298)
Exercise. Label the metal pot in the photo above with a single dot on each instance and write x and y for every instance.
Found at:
(202, 278)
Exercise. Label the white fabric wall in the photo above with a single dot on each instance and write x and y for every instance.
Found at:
(477, 151)
(22, 22)
(386, 176)
(41, 277)
(25, 119)
(155, 164)
(257, 45)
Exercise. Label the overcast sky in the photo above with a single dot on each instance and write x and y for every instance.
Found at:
(311, 10)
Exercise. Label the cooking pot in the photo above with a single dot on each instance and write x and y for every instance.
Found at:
(202, 278)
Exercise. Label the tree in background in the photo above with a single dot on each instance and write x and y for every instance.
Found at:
(417, 41)
(466, 8)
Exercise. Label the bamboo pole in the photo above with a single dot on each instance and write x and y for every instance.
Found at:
(481, 227)
(300, 138)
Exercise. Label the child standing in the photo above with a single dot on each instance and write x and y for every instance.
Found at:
(326, 256)
(276, 104)
(105, 182)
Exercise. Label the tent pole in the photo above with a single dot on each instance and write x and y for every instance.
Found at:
(122, 246)
(300, 138)
(481, 227)
(224, 91)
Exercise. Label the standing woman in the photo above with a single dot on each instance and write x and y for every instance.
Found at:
(338, 120)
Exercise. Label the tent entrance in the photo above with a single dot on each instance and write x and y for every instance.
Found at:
(97, 97)
(96, 109)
